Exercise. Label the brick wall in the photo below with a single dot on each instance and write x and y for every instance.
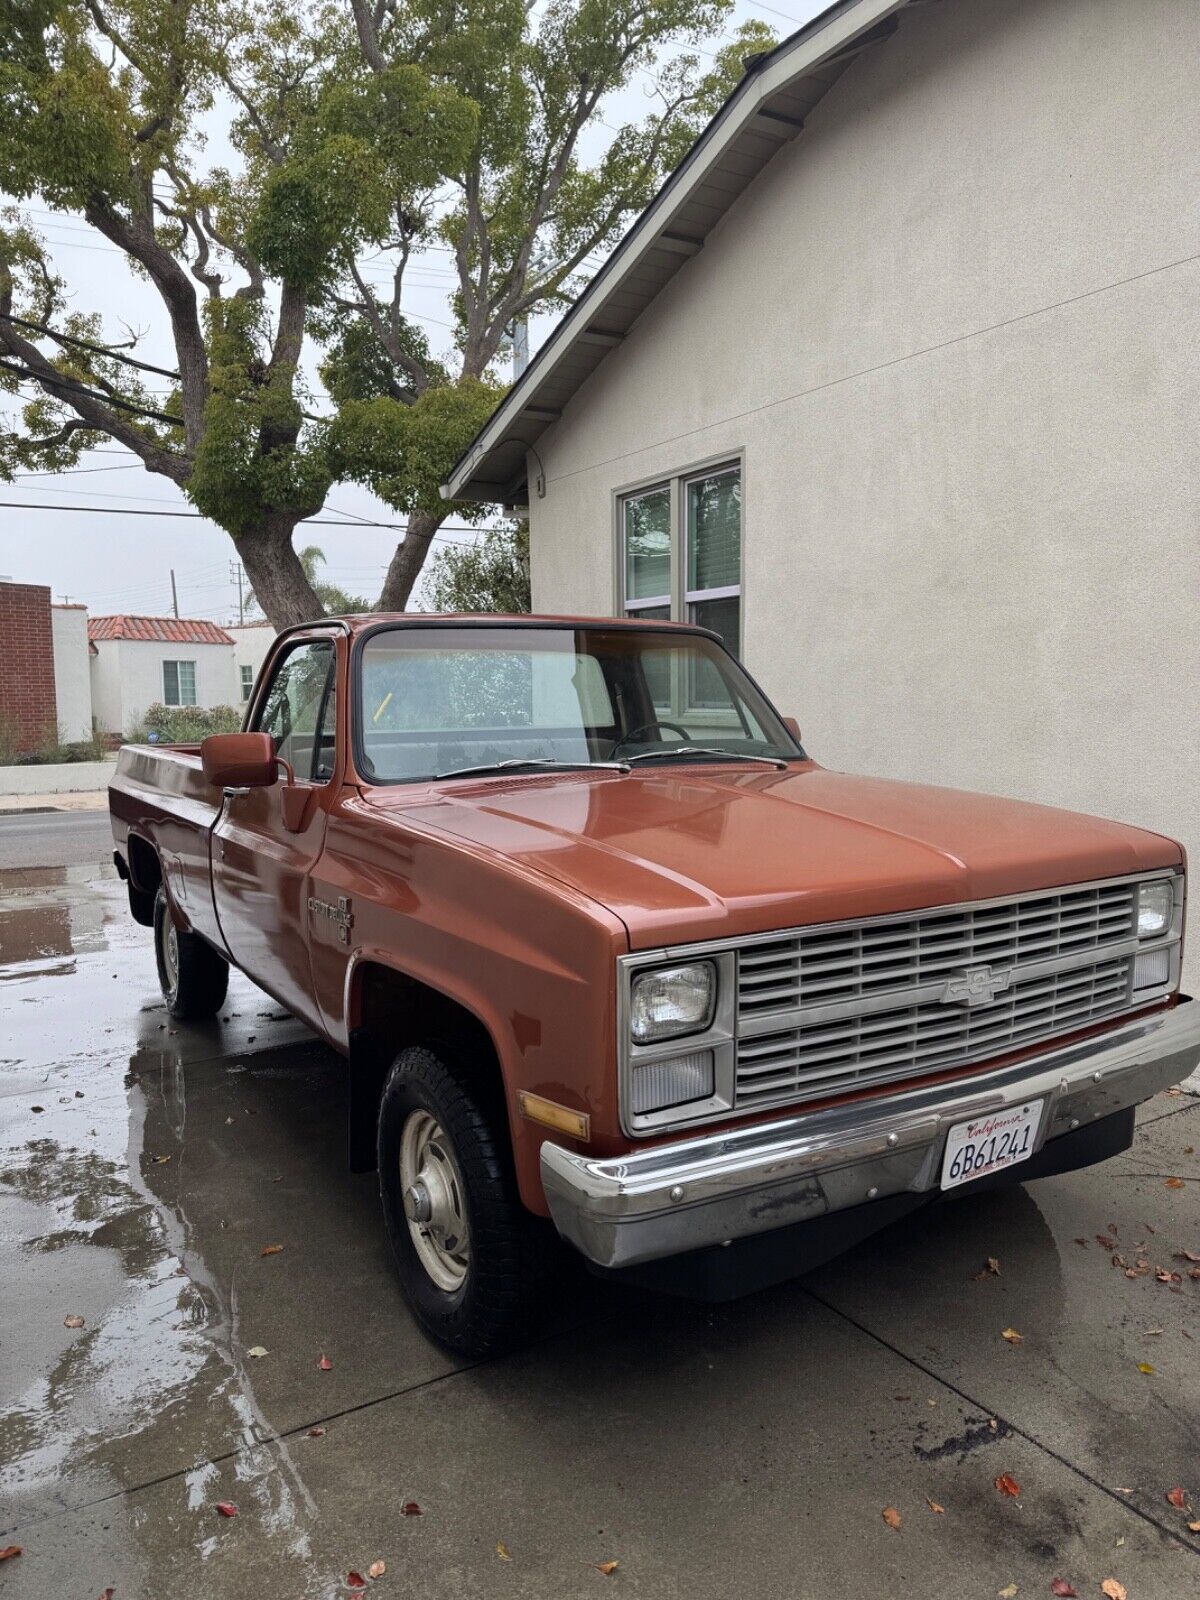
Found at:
(28, 715)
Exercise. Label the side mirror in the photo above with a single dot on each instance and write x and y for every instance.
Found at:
(239, 760)
(793, 727)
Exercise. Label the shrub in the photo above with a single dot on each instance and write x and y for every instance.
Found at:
(184, 724)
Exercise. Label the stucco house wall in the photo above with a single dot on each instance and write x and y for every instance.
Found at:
(250, 645)
(953, 330)
(127, 677)
(72, 675)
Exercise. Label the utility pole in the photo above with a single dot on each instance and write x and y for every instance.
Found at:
(174, 595)
(237, 572)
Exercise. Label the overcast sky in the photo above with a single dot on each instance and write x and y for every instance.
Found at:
(124, 563)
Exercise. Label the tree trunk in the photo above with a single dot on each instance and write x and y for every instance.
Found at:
(276, 576)
(409, 558)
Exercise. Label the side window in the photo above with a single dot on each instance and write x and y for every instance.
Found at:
(179, 683)
(300, 709)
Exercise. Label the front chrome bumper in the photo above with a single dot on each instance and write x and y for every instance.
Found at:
(704, 1191)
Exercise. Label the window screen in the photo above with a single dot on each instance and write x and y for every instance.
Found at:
(179, 683)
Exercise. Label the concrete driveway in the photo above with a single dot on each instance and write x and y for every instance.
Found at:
(749, 1449)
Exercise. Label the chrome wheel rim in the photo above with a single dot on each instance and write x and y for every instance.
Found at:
(434, 1201)
(169, 941)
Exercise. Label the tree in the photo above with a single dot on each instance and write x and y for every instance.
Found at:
(384, 128)
(492, 575)
(333, 598)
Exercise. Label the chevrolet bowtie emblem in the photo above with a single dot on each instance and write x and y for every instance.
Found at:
(339, 915)
(974, 986)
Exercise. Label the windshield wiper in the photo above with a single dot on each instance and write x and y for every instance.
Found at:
(708, 750)
(539, 762)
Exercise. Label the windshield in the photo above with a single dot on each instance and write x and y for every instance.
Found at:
(436, 700)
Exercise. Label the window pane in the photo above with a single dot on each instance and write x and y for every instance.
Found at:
(247, 682)
(435, 701)
(722, 616)
(187, 682)
(294, 702)
(647, 524)
(714, 515)
(170, 683)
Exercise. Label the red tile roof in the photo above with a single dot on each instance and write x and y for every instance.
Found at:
(157, 630)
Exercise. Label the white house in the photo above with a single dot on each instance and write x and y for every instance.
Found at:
(896, 385)
(138, 661)
(251, 641)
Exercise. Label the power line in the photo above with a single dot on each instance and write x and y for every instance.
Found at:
(195, 516)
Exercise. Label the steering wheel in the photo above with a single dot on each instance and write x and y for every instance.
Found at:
(644, 727)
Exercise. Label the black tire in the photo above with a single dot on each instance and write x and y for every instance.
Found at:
(197, 987)
(510, 1254)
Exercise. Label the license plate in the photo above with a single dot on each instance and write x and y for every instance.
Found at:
(993, 1143)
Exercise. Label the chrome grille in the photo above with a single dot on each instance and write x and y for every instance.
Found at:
(818, 965)
(851, 1051)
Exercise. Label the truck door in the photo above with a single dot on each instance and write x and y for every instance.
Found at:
(260, 865)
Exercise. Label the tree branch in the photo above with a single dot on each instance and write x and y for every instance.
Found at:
(136, 237)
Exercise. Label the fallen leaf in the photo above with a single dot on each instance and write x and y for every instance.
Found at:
(891, 1516)
(270, 1250)
(933, 1506)
(9, 1551)
(1061, 1587)
(1105, 1243)
(410, 1508)
(1163, 1276)
(1144, 1366)
(315, 1433)
(1008, 1485)
(355, 1580)
(160, 1161)
(607, 1567)
(1113, 1589)
(1172, 1183)
(1012, 1336)
(227, 1508)
(1177, 1498)
(1186, 1255)
(1121, 1491)
(377, 1569)
(108, 1593)
(502, 1550)
(1083, 1242)
(73, 1322)
(257, 1351)
(1194, 1527)
(1120, 1541)
(993, 1266)
(325, 1364)
(1007, 1592)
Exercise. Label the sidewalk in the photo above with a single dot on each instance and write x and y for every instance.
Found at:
(89, 800)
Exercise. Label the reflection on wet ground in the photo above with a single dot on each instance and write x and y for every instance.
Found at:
(145, 1167)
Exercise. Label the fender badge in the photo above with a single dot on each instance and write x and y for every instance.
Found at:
(340, 915)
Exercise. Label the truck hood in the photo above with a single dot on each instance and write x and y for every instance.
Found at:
(715, 852)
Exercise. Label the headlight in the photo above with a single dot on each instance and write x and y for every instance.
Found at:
(670, 1001)
(1155, 903)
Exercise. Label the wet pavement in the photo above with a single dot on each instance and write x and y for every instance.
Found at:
(751, 1448)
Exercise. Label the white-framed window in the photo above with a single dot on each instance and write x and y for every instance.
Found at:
(247, 675)
(179, 683)
(680, 551)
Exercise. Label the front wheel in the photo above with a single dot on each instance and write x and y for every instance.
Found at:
(473, 1263)
(193, 977)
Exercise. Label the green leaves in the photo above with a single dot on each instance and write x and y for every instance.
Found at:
(405, 452)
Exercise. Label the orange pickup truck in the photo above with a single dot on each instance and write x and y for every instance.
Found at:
(611, 956)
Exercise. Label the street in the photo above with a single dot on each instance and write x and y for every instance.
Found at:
(644, 1445)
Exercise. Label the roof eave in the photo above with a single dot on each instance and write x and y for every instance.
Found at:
(825, 37)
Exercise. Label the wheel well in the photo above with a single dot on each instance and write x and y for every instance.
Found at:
(394, 1011)
(145, 871)
(145, 876)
